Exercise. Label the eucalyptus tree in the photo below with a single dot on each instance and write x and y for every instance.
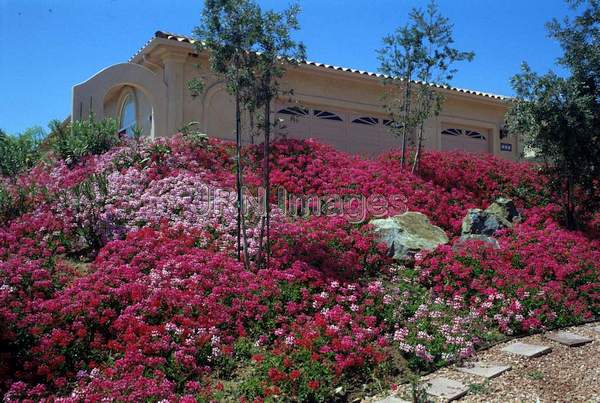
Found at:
(559, 115)
(415, 54)
(229, 31)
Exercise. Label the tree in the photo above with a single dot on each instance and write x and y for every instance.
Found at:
(229, 31)
(276, 51)
(250, 49)
(416, 55)
(21, 152)
(559, 116)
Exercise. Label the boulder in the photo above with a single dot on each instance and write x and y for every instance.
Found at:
(500, 214)
(478, 221)
(505, 210)
(408, 233)
(476, 237)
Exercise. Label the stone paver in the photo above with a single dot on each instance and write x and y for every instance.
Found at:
(392, 399)
(527, 350)
(445, 388)
(569, 339)
(597, 329)
(487, 370)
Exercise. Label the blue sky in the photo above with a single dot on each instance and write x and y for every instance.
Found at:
(47, 46)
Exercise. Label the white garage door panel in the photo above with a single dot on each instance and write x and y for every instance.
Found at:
(294, 122)
(369, 140)
(346, 131)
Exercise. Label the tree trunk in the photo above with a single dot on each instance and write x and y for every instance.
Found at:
(406, 118)
(238, 180)
(415, 166)
(267, 181)
(570, 205)
(252, 112)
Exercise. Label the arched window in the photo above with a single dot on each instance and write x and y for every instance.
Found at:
(366, 120)
(326, 115)
(458, 132)
(128, 119)
(294, 111)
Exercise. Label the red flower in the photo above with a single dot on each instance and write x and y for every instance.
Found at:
(314, 384)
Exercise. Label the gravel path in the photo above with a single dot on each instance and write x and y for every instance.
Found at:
(566, 374)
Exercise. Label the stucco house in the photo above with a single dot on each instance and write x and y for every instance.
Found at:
(337, 105)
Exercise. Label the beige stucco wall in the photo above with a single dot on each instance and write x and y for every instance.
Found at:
(167, 66)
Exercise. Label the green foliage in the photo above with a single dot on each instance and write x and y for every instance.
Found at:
(195, 86)
(559, 117)
(194, 136)
(87, 199)
(75, 140)
(250, 49)
(21, 152)
(15, 203)
(420, 50)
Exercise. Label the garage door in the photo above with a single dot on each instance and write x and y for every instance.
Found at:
(346, 130)
(469, 139)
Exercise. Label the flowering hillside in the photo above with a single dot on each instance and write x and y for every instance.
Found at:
(118, 276)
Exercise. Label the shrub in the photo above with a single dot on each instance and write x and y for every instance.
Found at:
(165, 311)
(75, 140)
(16, 200)
(543, 276)
(19, 153)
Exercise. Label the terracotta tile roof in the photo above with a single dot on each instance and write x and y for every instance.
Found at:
(191, 41)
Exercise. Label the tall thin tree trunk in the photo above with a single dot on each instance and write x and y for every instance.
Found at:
(238, 180)
(267, 180)
(415, 166)
(570, 210)
(406, 117)
(252, 112)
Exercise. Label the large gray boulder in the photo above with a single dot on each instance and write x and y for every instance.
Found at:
(500, 214)
(408, 233)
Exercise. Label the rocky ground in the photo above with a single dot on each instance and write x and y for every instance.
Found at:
(565, 374)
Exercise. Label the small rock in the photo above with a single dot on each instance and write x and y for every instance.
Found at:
(498, 215)
(445, 388)
(505, 210)
(408, 233)
(391, 399)
(527, 350)
(476, 237)
(478, 221)
(569, 339)
(485, 369)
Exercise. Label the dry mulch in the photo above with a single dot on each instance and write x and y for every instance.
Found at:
(566, 374)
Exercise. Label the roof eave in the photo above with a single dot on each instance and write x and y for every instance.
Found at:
(183, 42)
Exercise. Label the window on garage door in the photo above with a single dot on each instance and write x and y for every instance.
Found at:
(293, 121)
(370, 135)
(318, 122)
(471, 139)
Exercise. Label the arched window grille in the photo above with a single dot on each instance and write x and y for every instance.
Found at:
(326, 115)
(366, 120)
(460, 132)
(294, 111)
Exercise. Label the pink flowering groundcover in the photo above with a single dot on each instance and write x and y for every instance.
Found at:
(119, 279)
